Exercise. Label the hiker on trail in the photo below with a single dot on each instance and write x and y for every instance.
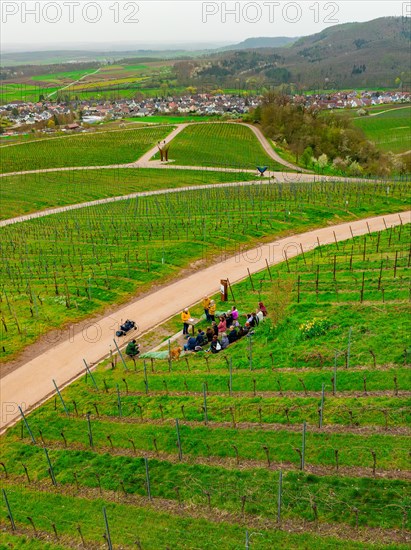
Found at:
(185, 316)
(262, 308)
(132, 349)
(206, 304)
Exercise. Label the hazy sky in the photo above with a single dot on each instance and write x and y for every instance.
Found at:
(42, 24)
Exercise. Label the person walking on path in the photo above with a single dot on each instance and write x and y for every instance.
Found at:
(206, 305)
(185, 316)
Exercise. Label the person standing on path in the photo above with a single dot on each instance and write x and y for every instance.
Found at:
(206, 304)
(185, 316)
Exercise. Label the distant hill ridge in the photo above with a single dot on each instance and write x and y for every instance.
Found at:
(261, 42)
(371, 54)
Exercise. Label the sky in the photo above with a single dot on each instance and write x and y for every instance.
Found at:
(52, 24)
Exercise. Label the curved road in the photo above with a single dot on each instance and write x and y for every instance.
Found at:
(31, 383)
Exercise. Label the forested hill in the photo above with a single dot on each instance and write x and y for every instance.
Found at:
(370, 54)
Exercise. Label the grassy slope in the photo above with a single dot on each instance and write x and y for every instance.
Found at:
(380, 502)
(156, 225)
(47, 190)
(82, 150)
(219, 145)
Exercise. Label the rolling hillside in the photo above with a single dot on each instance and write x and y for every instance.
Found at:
(358, 55)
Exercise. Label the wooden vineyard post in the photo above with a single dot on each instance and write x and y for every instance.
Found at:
(286, 259)
(231, 290)
(302, 252)
(61, 397)
(251, 279)
(53, 478)
(268, 269)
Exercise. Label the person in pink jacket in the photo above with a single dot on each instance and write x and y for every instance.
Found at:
(222, 326)
(234, 313)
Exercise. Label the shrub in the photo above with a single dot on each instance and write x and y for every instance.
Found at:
(316, 327)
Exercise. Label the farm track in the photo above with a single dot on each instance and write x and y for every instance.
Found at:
(30, 383)
(216, 515)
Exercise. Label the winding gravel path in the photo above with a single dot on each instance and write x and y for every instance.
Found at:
(31, 383)
(144, 160)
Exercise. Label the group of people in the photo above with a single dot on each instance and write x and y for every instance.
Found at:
(218, 336)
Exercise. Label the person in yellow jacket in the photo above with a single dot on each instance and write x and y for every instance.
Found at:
(211, 310)
(185, 316)
(206, 304)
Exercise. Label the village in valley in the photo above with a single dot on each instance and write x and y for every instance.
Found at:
(75, 114)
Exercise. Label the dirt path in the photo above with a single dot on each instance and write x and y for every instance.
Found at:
(31, 382)
(279, 177)
(72, 83)
(144, 160)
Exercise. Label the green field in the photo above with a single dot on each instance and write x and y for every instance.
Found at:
(64, 77)
(23, 92)
(64, 267)
(94, 149)
(390, 130)
(343, 486)
(44, 190)
(221, 144)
